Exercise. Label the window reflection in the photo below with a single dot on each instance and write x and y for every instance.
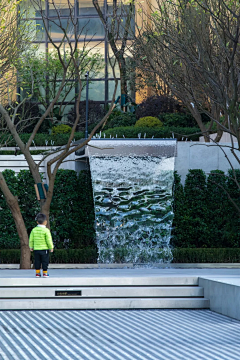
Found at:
(111, 87)
(91, 27)
(86, 7)
(55, 28)
(31, 10)
(61, 8)
(96, 91)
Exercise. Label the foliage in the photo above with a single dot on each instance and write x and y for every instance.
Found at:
(95, 113)
(61, 129)
(157, 132)
(206, 255)
(187, 47)
(43, 139)
(89, 255)
(32, 70)
(86, 255)
(128, 131)
(177, 119)
(21, 186)
(72, 217)
(149, 121)
(203, 214)
(28, 115)
(123, 119)
(155, 105)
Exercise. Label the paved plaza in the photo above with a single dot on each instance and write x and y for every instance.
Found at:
(118, 334)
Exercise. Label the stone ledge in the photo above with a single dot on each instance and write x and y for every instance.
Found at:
(132, 266)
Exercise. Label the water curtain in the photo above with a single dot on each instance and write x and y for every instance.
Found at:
(132, 185)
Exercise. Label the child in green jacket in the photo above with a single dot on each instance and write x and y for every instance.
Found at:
(40, 242)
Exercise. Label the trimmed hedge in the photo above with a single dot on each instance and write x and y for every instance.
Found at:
(158, 132)
(127, 131)
(204, 217)
(89, 256)
(206, 255)
(40, 139)
(86, 255)
(72, 210)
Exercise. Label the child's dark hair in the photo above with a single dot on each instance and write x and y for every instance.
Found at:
(40, 218)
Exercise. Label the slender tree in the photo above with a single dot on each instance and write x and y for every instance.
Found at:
(118, 29)
(193, 46)
(75, 61)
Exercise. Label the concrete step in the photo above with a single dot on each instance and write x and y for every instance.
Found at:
(127, 280)
(103, 292)
(103, 303)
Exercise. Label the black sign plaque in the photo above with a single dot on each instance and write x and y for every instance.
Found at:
(68, 293)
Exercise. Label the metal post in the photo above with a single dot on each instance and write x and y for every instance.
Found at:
(86, 127)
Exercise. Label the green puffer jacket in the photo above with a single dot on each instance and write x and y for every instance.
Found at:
(40, 239)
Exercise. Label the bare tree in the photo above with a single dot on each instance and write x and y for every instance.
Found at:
(117, 26)
(194, 48)
(70, 34)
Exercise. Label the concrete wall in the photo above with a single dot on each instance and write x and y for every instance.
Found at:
(17, 163)
(198, 155)
(224, 295)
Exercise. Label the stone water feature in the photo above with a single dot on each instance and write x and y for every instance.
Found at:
(132, 185)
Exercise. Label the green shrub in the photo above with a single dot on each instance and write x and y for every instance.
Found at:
(178, 119)
(61, 129)
(204, 217)
(124, 119)
(87, 255)
(205, 255)
(72, 211)
(156, 132)
(148, 121)
(43, 139)
(22, 186)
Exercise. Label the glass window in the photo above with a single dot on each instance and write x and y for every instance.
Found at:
(86, 7)
(91, 28)
(35, 28)
(95, 58)
(67, 94)
(56, 32)
(40, 30)
(96, 91)
(111, 87)
(31, 9)
(61, 8)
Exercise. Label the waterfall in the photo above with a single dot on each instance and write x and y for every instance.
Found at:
(132, 185)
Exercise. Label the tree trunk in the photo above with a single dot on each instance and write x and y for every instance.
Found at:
(25, 261)
(12, 202)
(123, 75)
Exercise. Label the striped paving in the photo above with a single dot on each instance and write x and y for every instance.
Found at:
(118, 334)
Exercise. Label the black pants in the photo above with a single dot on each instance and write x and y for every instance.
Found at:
(41, 257)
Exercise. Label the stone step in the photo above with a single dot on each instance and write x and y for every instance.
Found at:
(103, 303)
(127, 280)
(105, 292)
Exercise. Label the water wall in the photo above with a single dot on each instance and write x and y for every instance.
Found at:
(132, 185)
